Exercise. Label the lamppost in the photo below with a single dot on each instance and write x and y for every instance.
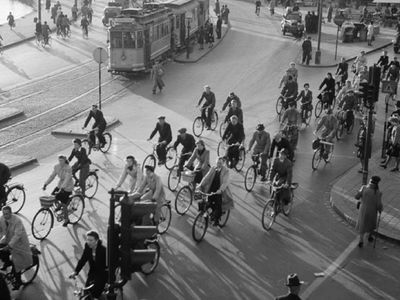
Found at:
(39, 10)
(318, 52)
(188, 20)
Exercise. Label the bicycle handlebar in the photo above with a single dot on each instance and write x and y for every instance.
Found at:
(118, 192)
(205, 194)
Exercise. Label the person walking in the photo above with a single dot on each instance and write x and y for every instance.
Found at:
(370, 33)
(200, 38)
(48, 5)
(307, 48)
(294, 284)
(218, 28)
(330, 11)
(210, 35)
(11, 20)
(217, 8)
(370, 203)
(157, 73)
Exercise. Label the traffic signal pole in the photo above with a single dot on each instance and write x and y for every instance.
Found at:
(111, 295)
(368, 145)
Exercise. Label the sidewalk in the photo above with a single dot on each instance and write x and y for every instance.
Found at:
(25, 27)
(347, 50)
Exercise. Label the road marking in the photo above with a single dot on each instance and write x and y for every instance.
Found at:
(331, 269)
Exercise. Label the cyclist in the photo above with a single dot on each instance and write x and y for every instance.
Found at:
(279, 142)
(46, 32)
(14, 241)
(328, 125)
(208, 106)
(99, 126)
(348, 104)
(395, 62)
(263, 144)
(360, 61)
(234, 133)
(284, 79)
(394, 144)
(84, 25)
(292, 71)
(5, 175)
(65, 185)
(228, 101)
(94, 253)
(82, 163)
(291, 120)
(165, 137)
(38, 29)
(343, 91)
(202, 155)
(328, 85)
(188, 142)
(342, 71)
(217, 182)
(393, 72)
(281, 175)
(131, 168)
(60, 17)
(289, 92)
(74, 11)
(234, 110)
(306, 102)
(383, 62)
(258, 6)
(65, 23)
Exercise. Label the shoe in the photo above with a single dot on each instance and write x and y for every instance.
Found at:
(6, 265)
(360, 244)
(370, 239)
(65, 224)
(394, 169)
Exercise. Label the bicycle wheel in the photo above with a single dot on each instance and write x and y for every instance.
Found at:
(288, 207)
(316, 159)
(16, 198)
(221, 149)
(279, 105)
(222, 128)
(107, 145)
(76, 206)
(92, 184)
(87, 145)
(165, 218)
(242, 157)
(42, 223)
(172, 157)
(173, 179)
(183, 200)
(29, 274)
(250, 178)
(318, 109)
(339, 131)
(268, 215)
(49, 42)
(224, 218)
(280, 115)
(198, 126)
(149, 267)
(150, 160)
(214, 120)
(333, 103)
(199, 227)
(328, 159)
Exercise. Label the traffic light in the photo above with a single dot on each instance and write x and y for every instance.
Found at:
(363, 91)
(375, 80)
(371, 97)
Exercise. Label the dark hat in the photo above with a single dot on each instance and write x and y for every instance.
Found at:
(260, 127)
(293, 280)
(375, 179)
(398, 104)
(94, 105)
(150, 168)
(284, 151)
(182, 130)
(161, 117)
(78, 141)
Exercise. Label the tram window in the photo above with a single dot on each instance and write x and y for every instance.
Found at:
(162, 30)
(139, 39)
(177, 23)
(116, 39)
(129, 40)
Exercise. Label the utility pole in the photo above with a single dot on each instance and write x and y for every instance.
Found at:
(39, 10)
(318, 52)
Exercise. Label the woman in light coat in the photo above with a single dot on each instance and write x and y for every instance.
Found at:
(370, 204)
(156, 74)
(133, 170)
(202, 155)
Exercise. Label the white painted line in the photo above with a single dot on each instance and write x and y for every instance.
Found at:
(331, 269)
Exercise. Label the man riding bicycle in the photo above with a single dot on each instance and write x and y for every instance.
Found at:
(228, 101)
(234, 110)
(289, 92)
(5, 175)
(45, 33)
(65, 23)
(383, 62)
(99, 126)
(279, 142)
(38, 29)
(82, 163)
(208, 106)
(348, 104)
(328, 85)
(306, 102)
(328, 127)
(342, 70)
(165, 137)
(291, 121)
(188, 142)
(234, 134)
(281, 175)
(263, 144)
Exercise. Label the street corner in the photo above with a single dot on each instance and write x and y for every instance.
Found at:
(74, 128)
(8, 113)
(16, 162)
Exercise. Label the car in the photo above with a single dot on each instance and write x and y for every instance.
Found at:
(291, 23)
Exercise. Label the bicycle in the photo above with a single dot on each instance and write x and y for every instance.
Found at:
(86, 143)
(199, 123)
(184, 197)
(28, 274)
(45, 43)
(319, 146)
(92, 183)
(43, 220)
(291, 133)
(222, 150)
(306, 113)
(342, 124)
(223, 127)
(151, 159)
(322, 103)
(281, 105)
(273, 206)
(15, 196)
(173, 178)
(252, 172)
(206, 214)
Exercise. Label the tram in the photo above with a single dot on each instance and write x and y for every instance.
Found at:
(139, 36)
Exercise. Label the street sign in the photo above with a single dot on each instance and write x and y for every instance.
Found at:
(339, 19)
(389, 87)
(100, 55)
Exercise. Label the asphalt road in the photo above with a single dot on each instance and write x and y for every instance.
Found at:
(241, 261)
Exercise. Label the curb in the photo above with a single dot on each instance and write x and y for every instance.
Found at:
(205, 53)
(71, 133)
(12, 116)
(23, 164)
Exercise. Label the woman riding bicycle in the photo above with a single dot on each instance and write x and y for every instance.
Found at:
(328, 127)
(306, 102)
(290, 123)
(202, 155)
(133, 170)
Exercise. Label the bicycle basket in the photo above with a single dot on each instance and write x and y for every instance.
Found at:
(316, 143)
(47, 201)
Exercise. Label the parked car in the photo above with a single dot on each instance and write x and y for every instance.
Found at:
(291, 23)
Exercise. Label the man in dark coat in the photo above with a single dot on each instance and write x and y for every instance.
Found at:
(99, 123)
(165, 137)
(294, 285)
(307, 20)
(281, 175)
(307, 48)
(218, 28)
(188, 143)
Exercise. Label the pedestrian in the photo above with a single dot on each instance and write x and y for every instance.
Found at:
(226, 12)
(48, 5)
(294, 284)
(200, 38)
(314, 22)
(330, 11)
(54, 13)
(210, 35)
(217, 8)
(307, 48)
(370, 33)
(370, 203)
(307, 21)
(218, 28)
(223, 14)
(11, 20)
(157, 73)
(394, 142)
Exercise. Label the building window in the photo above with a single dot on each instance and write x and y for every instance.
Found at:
(140, 39)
